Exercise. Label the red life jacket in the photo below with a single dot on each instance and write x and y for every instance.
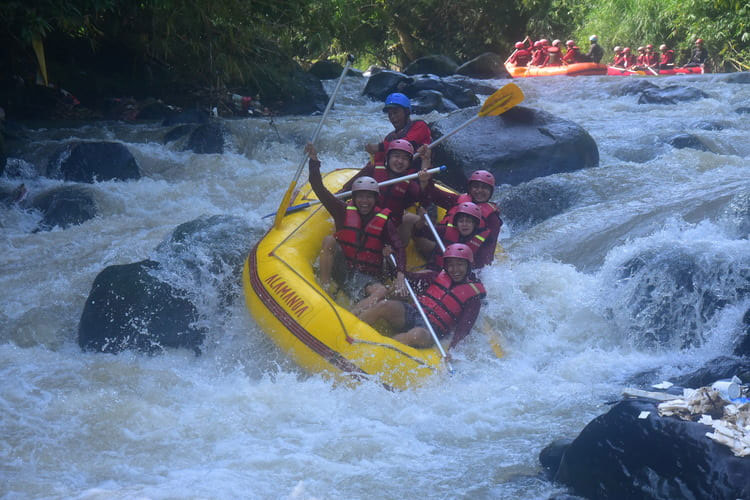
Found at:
(537, 57)
(619, 60)
(450, 232)
(363, 247)
(641, 61)
(394, 196)
(652, 58)
(667, 57)
(520, 57)
(443, 301)
(416, 135)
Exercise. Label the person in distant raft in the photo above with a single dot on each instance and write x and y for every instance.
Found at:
(451, 301)
(398, 107)
(641, 59)
(521, 56)
(667, 57)
(652, 58)
(353, 254)
(630, 58)
(595, 50)
(573, 55)
(700, 54)
(619, 60)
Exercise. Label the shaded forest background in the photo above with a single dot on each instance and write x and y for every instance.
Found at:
(141, 47)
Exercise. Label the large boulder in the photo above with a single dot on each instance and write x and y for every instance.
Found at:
(743, 345)
(431, 100)
(458, 95)
(671, 95)
(304, 94)
(129, 308)
(93, 161)
(535, 201)
(207, 139)
(65, 206)
(634, 86)
(723, 367)
(619, 455)
(434, 64)
(380, 84)
(487, 65)
(517, 146)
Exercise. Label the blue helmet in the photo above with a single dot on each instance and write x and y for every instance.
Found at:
(397, 99)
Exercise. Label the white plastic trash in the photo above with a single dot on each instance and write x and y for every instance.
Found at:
(728, 389)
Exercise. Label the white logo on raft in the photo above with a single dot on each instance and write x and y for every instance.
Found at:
(286, 294)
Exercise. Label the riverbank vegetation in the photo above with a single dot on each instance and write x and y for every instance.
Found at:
(176, 45)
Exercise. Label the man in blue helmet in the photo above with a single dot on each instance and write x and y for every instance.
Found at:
(417, 132)
(595, 51)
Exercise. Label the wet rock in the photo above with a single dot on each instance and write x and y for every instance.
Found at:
(433, 64)
(667, 295)
(154, 110)
(682, 141)
(743, 346)
(431, 100)
(383, 83)
(187, 116)
(65, 206)
(13, 195)
(634, 87)
(128, 308)
(743, 77)
(745, 110)
(460, 96)
(207, 139)
(475, 86)
(517, 146)
(207, 253)
(487, 65)
(178, 132)
(618, 455)
(93, 161)
(551, 456)
(723, 367)
(305, 94)
(671, 95)
(535, 201)
(708, 125)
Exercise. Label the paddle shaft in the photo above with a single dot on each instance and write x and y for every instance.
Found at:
(434, 232)
(424, 318)
(288, 195)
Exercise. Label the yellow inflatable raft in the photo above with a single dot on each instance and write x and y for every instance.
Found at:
(284, 297)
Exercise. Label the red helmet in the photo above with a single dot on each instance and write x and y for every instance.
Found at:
(570, 43)
(663, 47)
(641, 48)
(459, 251)
(617, 49)
(626, 50)
(538, 44)
(544, 41)
(470, 208)
(401, 145)
(556, 42)
(520, 45)
(699, 41)
(365, 183)
(649, 47)
(483, 176)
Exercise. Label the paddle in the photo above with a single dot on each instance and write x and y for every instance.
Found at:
(498, 103)
(424, 318)
(286, 200)
(346, 194)
(494, 343)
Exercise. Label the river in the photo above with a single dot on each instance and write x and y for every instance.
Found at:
(241, 421)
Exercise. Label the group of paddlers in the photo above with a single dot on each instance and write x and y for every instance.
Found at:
(374, 228)
(542, 53)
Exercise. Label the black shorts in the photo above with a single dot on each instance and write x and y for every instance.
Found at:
(412, 318)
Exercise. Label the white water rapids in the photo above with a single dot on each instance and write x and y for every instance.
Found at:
(241, 421)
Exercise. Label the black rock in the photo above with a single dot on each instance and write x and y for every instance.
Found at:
(476, 86)
(517, 146)
(65, 206)
(618, 455)
(551, 456)
(460, 96)
(93, 161)
(178, 132)
(719, 368)
(487, 65)
(535, 201)
(383, 83)
(187, 116)
(744, 110)
(434, 64)
(743, 346)
(207, 139)
(743, 77)
(431, 100)
(681, 141)
(129, 308)
(671, 95)
(326, 70)
(633, 87)
(305, 94)
(708, 125)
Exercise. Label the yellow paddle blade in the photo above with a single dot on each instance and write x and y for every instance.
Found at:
(502, 100)
(36, 43)
(285, 201)
(492, 337)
